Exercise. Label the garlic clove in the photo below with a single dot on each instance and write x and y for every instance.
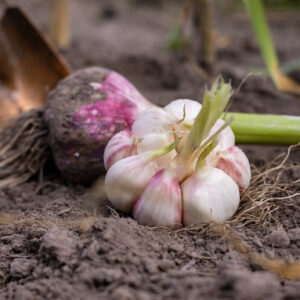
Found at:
(160, 203)
(152, 120)
(209, 195)
(126, 179)
(155, 141)
(121, 145)
(227, 138)
(177, 107)
(235, 163)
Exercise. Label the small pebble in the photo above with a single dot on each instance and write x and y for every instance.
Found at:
(21, 267)
(278, 238)
(294, 234)
(165, 265)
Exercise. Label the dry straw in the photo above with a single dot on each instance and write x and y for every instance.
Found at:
(268, 191)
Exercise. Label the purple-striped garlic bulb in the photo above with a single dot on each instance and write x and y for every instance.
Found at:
(187, 169)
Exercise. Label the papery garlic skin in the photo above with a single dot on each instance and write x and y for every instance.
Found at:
(156, 141)
(177, 107)
(126, 179)
(210, 195)
(121, 145)
(235, 163)
(160, 203)
(152, 120)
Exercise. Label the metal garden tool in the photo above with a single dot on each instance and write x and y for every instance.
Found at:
(30, 66)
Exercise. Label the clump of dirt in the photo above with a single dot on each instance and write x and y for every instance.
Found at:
(61, 243)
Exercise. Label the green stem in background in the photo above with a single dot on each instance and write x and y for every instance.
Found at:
(288, 67)
(263, 36)
(265, 129)
(174, 42)
(257, 16)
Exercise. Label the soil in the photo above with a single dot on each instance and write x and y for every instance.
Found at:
(82, 249)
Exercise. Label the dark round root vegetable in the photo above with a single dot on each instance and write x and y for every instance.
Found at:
(82, 113)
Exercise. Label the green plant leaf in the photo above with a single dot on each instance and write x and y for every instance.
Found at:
(257, 16)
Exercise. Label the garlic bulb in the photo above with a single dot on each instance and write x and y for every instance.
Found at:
(160, 202)
(235, 163)
(121, 145)
(126, 179)
(209, 196)
(187, 169)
